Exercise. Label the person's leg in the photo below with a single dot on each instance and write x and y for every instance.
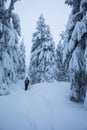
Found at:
(25, 87)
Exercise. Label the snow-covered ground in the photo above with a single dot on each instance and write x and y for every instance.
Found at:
(43, 107)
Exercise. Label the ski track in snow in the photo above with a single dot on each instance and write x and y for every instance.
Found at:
(44, 106)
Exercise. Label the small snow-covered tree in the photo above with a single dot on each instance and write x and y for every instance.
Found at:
(75, 49)
(21, 59)
(42, 60)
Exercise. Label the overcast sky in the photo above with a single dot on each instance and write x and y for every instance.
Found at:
(55, 12)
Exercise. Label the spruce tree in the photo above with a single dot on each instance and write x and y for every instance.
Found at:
(42, 54)
(75, 48)
(9, 33)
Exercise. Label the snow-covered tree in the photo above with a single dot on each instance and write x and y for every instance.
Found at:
(76, 48)
(42, 60)
(9, 32)
(22, 59)
(61, 73)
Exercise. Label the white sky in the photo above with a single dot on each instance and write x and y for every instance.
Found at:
(55, 12)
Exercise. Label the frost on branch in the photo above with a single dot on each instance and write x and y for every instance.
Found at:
(16, 23)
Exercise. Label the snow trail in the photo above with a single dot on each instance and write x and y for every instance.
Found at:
(43, 107)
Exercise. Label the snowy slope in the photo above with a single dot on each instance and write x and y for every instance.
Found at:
(43, 107)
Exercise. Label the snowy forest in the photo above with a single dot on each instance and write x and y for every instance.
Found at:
(56, 96)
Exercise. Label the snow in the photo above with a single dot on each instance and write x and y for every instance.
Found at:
(85, 102)
(83, 2)
(16, 23)
(6, 60)
(42, 61)
(79, 30)
(44, 106)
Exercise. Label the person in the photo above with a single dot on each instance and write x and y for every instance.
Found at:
(26, 83)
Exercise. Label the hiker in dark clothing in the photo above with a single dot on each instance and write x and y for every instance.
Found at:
(26, 83)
